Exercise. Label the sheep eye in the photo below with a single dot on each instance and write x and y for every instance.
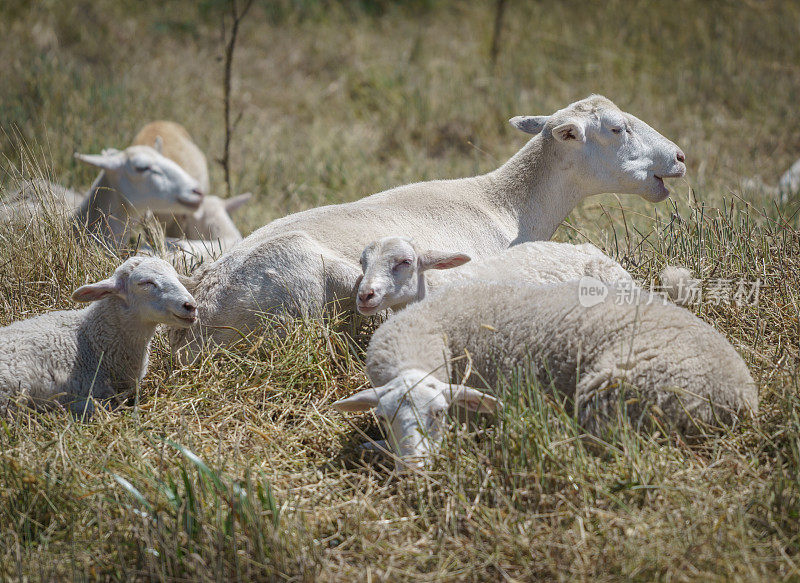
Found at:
(616, 130)
(142, 168)
(147, 282)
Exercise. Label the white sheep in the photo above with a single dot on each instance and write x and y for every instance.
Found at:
(131, 182)
(35, 196)
(297, 264)
(173, 141)
(396, 272)
(789, 184)
(787, 187)
(597, 344)
(99, 351)
(212, 221)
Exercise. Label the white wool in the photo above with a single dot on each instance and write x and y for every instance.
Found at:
(99, 351)
(297, 264)
(673, 364)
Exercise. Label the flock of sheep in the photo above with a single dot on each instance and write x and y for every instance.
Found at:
(457, 330)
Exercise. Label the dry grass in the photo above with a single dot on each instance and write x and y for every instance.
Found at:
(235, 467)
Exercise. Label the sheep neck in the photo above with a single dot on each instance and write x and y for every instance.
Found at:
(104, 212)
(537, 187)
(119, 340)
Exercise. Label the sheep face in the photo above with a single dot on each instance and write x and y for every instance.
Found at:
(150, 288)
(148, 180)
(411, 408)
(614, 150)
(393, 270)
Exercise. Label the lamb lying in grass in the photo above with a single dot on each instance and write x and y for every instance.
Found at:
(397, 272)
(787, 189)
(651, 357)
(99, 351)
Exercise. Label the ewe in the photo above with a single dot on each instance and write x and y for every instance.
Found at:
(212, 221)
(99, 351)
(640, 353)
(396, 271)
(131, 182)
(299, 264)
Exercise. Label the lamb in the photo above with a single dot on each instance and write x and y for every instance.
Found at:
(597, 344)
(212, 221)
(97, 352)
(297, 265)
(397, 272)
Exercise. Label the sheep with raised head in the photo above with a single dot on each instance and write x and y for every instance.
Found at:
(131, 182)
(210, 227)
(600, 345)
(397, 272)
(99, 351)
(297, 264)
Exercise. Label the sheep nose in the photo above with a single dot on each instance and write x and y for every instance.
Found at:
(366, 295)
(680, 156)
(189, 307)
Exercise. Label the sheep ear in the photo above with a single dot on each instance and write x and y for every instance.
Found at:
(361, 401)
(238, 201)
(110, 159)
(158, 145)
(96, 291)
(571, 131)
(441, 260)
(473, 400)
(530, 124)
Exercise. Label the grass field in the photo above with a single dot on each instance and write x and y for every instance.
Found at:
(235, 468)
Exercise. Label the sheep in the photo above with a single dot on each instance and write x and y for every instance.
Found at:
(787, 187)
(132, 181)
(99, 351)
(587, 148)
(396, 272)
(173, 141)
(212, 221)
(789, 184)
(594, 343)
(33, 196)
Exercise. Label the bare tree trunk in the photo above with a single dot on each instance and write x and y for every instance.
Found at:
(494, 51)
(237, 17)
